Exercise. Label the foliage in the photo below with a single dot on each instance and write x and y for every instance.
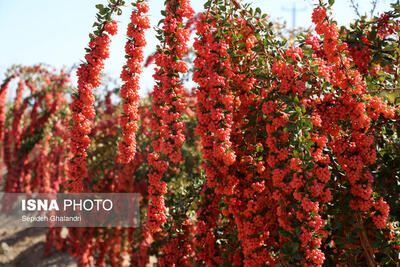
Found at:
(285, 153)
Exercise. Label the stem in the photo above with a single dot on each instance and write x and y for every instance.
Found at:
(113, 8)
(355, 7)
(245, 14)
(368, 253)
(386, 89)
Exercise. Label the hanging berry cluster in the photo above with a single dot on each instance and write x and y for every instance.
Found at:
(25, 134)
(215, 121)
(88, 79)
(352, 142)
(3, 95)
(130, 75)
(282, 155)
(168, 105)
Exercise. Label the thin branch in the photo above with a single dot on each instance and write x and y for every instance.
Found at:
(391, 89)
(244, 13)
(386, 89)
(355, 8)
(368, 253)
(374, 3)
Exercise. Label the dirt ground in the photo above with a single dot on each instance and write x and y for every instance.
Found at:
(24, 247)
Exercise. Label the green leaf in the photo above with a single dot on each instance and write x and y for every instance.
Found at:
(294, 247)
(285, 233)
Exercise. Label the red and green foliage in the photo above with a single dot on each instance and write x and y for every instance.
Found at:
(282, 155)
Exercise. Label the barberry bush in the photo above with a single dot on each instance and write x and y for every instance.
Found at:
(285, 153)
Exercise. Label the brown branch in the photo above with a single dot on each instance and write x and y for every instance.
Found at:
(386, 89)
(390, 89)
(368, 253)
(244, 14)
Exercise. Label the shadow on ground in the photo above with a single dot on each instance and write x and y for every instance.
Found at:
(25, 247)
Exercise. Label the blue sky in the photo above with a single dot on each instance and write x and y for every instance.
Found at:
(56, 32)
